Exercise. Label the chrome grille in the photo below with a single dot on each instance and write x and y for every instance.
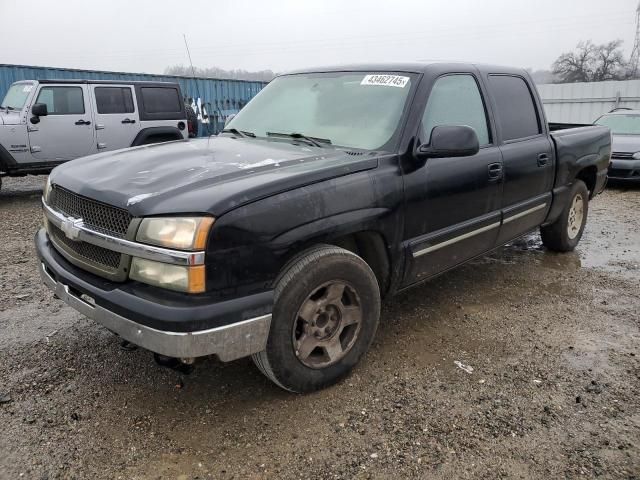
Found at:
(622, 155)
(86, 251)
(95, 215)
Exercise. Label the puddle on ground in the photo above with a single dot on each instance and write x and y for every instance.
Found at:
(615, 249)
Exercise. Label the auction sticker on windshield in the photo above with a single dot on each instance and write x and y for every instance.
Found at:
(385, 80)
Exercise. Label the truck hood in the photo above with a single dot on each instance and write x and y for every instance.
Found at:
(625, 143)
(211, 175)
(9, 118)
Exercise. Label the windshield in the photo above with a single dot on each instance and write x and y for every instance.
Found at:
(356, 110)
(16, 96)
(621, 124)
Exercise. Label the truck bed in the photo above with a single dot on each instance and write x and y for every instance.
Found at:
(555, 126)
(579, 146)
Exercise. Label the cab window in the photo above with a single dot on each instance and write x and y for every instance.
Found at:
(516, 112)
(456, 100)
(62, 100)
(114, 100)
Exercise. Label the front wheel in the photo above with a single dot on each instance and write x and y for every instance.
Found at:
(326, 312)
(564, 234)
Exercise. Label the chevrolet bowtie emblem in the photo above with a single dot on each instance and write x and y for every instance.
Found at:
(71, 227)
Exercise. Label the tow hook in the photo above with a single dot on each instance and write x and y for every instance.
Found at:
(182, 365)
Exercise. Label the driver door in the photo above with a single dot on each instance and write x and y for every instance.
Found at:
(453, 204)
(67, 131)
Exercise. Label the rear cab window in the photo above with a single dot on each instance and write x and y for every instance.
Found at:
(516, 114)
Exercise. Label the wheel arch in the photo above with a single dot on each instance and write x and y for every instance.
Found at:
(156, 135)
(369, 243)
(589, 175)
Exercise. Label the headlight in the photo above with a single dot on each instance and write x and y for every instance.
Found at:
(636, 156)
(164, 275)
(46, 190)
(182, 233)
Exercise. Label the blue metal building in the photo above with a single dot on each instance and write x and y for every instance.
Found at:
(213, 99)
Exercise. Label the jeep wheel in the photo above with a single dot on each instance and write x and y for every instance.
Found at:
(326, 312)
(564, 234)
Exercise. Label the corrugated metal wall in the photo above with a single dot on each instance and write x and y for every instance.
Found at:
(214, 99)
(585, 102)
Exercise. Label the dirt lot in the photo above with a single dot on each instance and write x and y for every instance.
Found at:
(553, 341)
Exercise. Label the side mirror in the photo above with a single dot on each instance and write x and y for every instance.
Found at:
(39, 110)
(450, 141)
(228, 119)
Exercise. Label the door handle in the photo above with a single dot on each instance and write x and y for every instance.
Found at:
(494, 171)
(128, 120)
(83, 122)
(543, 159)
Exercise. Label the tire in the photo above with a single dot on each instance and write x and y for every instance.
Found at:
(326, 313)
(565, 233)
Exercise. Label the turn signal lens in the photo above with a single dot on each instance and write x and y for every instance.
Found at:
(172, 277)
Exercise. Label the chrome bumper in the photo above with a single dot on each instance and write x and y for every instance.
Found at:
(228, 343)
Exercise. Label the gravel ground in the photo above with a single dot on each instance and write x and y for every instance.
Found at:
(553, 341)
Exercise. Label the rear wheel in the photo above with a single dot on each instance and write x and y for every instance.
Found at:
(564, 234)
(326, 311)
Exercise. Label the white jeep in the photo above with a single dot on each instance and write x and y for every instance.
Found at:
(47, 122)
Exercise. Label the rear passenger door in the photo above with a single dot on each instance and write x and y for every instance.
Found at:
(527, 154)
(117, 122)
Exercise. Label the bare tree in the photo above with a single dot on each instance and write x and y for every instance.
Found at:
(610, 62)
(592, 63)
(215, 72)
(578, 66)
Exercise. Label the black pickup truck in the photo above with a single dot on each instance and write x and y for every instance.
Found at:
(330, 190)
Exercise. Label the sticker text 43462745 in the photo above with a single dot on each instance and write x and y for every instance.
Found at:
(385, 80)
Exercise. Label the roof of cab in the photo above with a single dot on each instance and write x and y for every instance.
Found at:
(411, 67)
(107, 82)
(623, 111)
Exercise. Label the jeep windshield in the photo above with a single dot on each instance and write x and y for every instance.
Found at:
(621, 124)
(348, 109)
(16, 96)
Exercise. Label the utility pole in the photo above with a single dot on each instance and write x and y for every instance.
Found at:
(635, 53)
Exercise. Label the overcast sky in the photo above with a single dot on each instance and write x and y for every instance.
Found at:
(146, 35)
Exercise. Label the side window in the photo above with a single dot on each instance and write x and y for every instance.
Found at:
(456, 100)
(160, 100)
(516, 113)
(62, 100)
(114, 100)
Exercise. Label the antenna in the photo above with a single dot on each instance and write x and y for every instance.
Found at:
(634, 61)
(193, 72)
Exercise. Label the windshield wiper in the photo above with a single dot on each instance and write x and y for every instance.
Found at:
(315, 141)
(240, 133)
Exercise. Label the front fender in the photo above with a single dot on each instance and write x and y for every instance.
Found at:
(249, 245)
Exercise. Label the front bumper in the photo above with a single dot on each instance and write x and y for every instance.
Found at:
(180, 326)
(624, 169)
